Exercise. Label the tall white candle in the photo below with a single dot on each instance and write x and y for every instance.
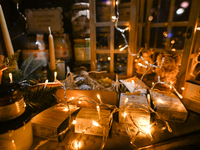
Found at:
(51, 51)
(5, 33)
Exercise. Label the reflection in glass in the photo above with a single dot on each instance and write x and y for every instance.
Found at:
(120, 64)
(103, 62)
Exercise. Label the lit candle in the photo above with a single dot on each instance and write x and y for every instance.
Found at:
(10, 76)
(5, 33)
(51, 51)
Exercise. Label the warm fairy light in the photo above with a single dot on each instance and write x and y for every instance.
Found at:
(133, 82)
(10, 76)
(74, 122)
(79, 102)
(65, 109)
(98, 110)
(95, 123)
(121, 49)
(139, 64)
(124, 114)
(127, 28)
(172, 41)
(173, 49)
(182, 88)
(108, 58)
(55, 76)
(152, 83)
(113, 18)
(170, 86)
(77, 145)
(116, 2)
(71, 98)
(125, 101)
(160, 101)
(99, 98)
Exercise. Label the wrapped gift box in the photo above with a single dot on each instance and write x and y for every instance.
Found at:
(191, 96)
(139, 116)
(169, 107)
(50, 122)
(85, 118)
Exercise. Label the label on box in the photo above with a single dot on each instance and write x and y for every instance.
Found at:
(169, 107)
(138, 115)
(85, 119)
(47, 124)
(191, 96)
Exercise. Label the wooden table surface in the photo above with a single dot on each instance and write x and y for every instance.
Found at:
(184, 136)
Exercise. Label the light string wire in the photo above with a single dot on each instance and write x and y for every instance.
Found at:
(25, 19)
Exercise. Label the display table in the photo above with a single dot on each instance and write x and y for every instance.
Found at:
(184, 136)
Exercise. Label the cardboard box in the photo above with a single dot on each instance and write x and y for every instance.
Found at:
(191, 96)
(137, 86)
(139, 116)
(169, 107)
(108, 97)
(85, 118)
(52, 121)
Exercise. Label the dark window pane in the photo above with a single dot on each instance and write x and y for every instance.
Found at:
(120, 64)
(103, 62)
(158, 37)
(160, 10)
(103, 35)
(178, 37)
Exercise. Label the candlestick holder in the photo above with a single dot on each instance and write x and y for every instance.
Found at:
(50, 75)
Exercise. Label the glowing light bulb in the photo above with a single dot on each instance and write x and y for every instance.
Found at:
(74, 122)
(124, 114)
(79, 102)
(182, 88)
(116, 3)
(108, 58)
(77, 145)
(160, 101)
(95, 123)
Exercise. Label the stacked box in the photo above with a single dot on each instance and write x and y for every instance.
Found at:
(191, 96)
(169, 107)
(85, 118)
(139, 116)
(52, 121)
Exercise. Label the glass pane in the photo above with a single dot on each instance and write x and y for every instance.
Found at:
(158, 37)
(178, 37)
(182, 10)
(124, 11)
(119, 40)
(103, 62)
(103, 10)
(160, 11)
(120, 64)
(103, 35)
